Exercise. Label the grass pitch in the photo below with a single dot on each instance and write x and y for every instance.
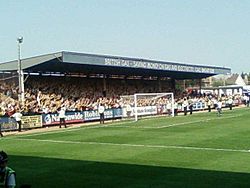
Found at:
(199, 150)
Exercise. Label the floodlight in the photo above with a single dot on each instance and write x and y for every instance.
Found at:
(20, 39)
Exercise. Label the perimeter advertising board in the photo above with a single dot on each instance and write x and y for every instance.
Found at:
(80, 117)
(34, 121)
(71, 117)
(8, 124)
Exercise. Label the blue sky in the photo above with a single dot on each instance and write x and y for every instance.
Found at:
(205, 32)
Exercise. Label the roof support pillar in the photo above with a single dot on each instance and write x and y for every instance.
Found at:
(173, 84)
(184, 84)
(104, 90)
(20, 73)
(159, 84)
(200, 82)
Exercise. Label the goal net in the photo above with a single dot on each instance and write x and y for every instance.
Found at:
(147, 104)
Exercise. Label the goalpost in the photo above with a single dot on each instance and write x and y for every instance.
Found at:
(147, 104)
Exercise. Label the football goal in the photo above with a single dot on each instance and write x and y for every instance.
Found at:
(147, 104)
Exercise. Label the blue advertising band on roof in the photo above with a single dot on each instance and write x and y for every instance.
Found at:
(72, 62)
(116, 61)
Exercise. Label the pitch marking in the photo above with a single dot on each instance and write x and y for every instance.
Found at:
(135, 145)
(120, 125)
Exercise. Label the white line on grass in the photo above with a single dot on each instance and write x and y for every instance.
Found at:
(121, 125)
(72, 129)
(177, 124)
(198, 121)
(135, 145)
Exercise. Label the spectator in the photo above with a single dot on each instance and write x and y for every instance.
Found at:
(185, 105)
(1, 134)
(175, 108)
(61, 112)
(169, 108)
(191, 103)
(209, 103)
(7, 175)
(101, 110)
(230, 103)
(128, 110)
(18, 118)
(219, 107)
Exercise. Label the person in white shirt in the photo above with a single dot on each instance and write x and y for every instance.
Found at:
(246, 100)
(230, 103)
(45, 110)
(191, 105)
(175, 108)
(62, 116)
(209, 104)
(101, 110)
(219, 107)
(128, 110)
(169, 107)
(185, 105)
(18, 118)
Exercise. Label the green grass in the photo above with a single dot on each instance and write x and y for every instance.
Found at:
(201, 150)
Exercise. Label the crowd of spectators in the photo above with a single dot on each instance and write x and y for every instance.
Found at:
(48, 94)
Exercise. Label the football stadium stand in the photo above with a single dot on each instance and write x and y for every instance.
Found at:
(81, 81)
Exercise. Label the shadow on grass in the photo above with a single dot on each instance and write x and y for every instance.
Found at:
(60, 173)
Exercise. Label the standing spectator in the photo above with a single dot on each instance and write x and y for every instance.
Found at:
(38, 98)
(1, 114)
(185, 105)
(159, 108)
(230, 103)
(45, 110)
(7, 175)
(18, 118)
(214, 102)
(128, 110)
(61, 112)
(219, 107)
(1, 134)
(175, 108)
(246, 100)
(101, 110)
(191, 104)
(209, 103)
(169, 107)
